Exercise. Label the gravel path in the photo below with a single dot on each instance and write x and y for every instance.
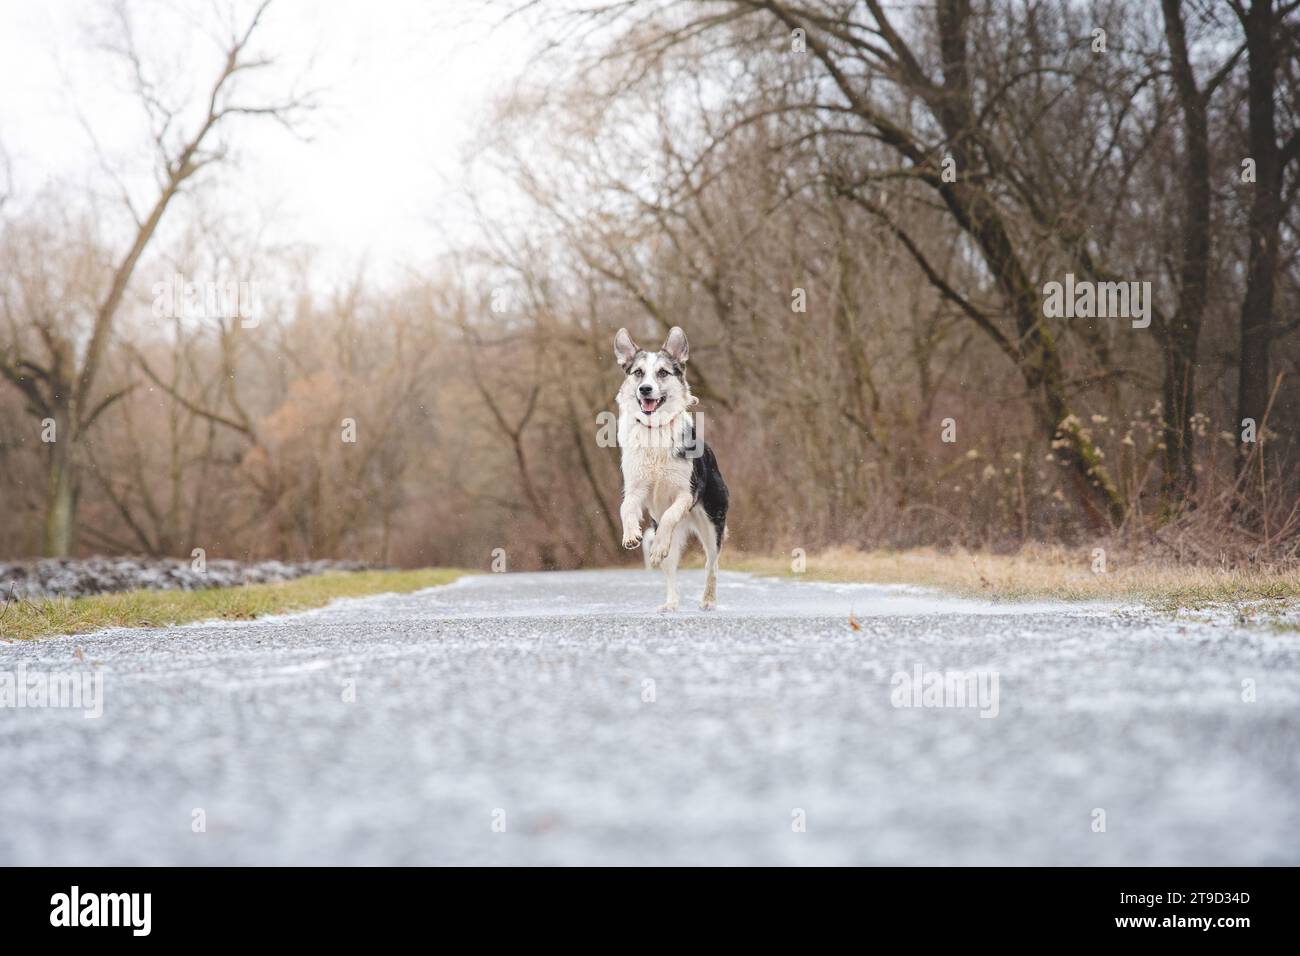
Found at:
(411, 729)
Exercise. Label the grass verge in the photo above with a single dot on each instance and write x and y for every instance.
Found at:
(1043, 572)
(48, 617)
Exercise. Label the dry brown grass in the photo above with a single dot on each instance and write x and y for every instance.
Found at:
(1043, 572)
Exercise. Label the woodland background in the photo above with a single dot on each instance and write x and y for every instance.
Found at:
(714, 166)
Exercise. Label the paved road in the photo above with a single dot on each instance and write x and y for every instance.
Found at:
(522, 700)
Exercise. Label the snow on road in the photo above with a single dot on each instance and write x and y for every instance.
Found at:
(554, 718)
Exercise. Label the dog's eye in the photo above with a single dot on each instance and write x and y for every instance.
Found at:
(663, 373)
(638, 372)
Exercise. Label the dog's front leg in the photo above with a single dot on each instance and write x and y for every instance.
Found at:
(667, 525)
(630, 512)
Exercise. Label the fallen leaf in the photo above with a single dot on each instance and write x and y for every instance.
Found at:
(80, 654)
(853, 622)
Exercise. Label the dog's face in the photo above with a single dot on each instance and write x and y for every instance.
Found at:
(654, 389)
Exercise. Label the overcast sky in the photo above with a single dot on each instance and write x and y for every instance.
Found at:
(406, 83)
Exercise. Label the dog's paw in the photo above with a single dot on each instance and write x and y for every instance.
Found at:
(668, 606)
(659, 552)
(631, 539)
(708, 604)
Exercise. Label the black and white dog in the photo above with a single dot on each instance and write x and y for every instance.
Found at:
(667, 469)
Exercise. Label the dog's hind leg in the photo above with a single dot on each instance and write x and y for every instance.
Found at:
(708, 535)
(648, 541)
(675, 548)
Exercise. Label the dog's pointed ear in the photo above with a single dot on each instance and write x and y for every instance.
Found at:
(676, 346)
(624, 348)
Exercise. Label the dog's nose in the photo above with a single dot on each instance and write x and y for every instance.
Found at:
(646, 389)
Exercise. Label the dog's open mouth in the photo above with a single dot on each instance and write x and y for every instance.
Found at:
(649, 405)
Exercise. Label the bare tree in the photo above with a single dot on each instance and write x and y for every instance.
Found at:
(60, 385)
(1271, 43)
(1182, 330)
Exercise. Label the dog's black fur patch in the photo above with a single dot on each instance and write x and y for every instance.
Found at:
(707, 487)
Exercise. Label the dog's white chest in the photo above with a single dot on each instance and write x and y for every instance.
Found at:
(652, 464)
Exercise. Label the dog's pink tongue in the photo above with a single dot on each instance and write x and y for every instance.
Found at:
(648, 404)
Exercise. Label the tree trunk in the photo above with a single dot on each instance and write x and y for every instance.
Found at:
(1265, 217)
(61, 493)
(1184, 330)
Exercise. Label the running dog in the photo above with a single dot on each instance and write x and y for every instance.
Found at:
(667, 470)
